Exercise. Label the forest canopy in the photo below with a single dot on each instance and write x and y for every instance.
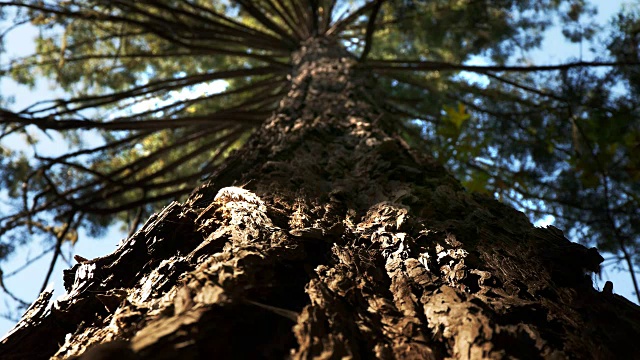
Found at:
(550, 139)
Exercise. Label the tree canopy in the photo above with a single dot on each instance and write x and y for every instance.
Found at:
(552, 139)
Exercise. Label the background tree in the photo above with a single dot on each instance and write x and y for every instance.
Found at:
(556, 138)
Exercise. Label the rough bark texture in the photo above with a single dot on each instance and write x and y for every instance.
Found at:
(341, 243)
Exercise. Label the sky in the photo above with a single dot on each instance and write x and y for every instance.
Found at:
(27, 283)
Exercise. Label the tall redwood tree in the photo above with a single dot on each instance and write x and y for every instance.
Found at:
(330, 233)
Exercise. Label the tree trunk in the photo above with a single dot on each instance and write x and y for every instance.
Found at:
(338, 241)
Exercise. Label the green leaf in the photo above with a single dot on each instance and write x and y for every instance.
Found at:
(456, 116)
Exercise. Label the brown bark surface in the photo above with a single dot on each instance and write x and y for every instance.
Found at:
(341, 242)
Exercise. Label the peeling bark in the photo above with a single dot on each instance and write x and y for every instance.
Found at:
(343, 243)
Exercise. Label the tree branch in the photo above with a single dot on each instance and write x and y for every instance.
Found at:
(368, 39)
(394, 65)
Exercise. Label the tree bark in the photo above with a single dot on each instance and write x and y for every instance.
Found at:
(337, 240)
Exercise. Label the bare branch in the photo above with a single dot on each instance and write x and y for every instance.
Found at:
(370, 30)
(339, 26)
(59, 240)
(264, 20)
(402, 65)
(29, 262)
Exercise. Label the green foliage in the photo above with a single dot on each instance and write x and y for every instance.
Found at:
(140, 131)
